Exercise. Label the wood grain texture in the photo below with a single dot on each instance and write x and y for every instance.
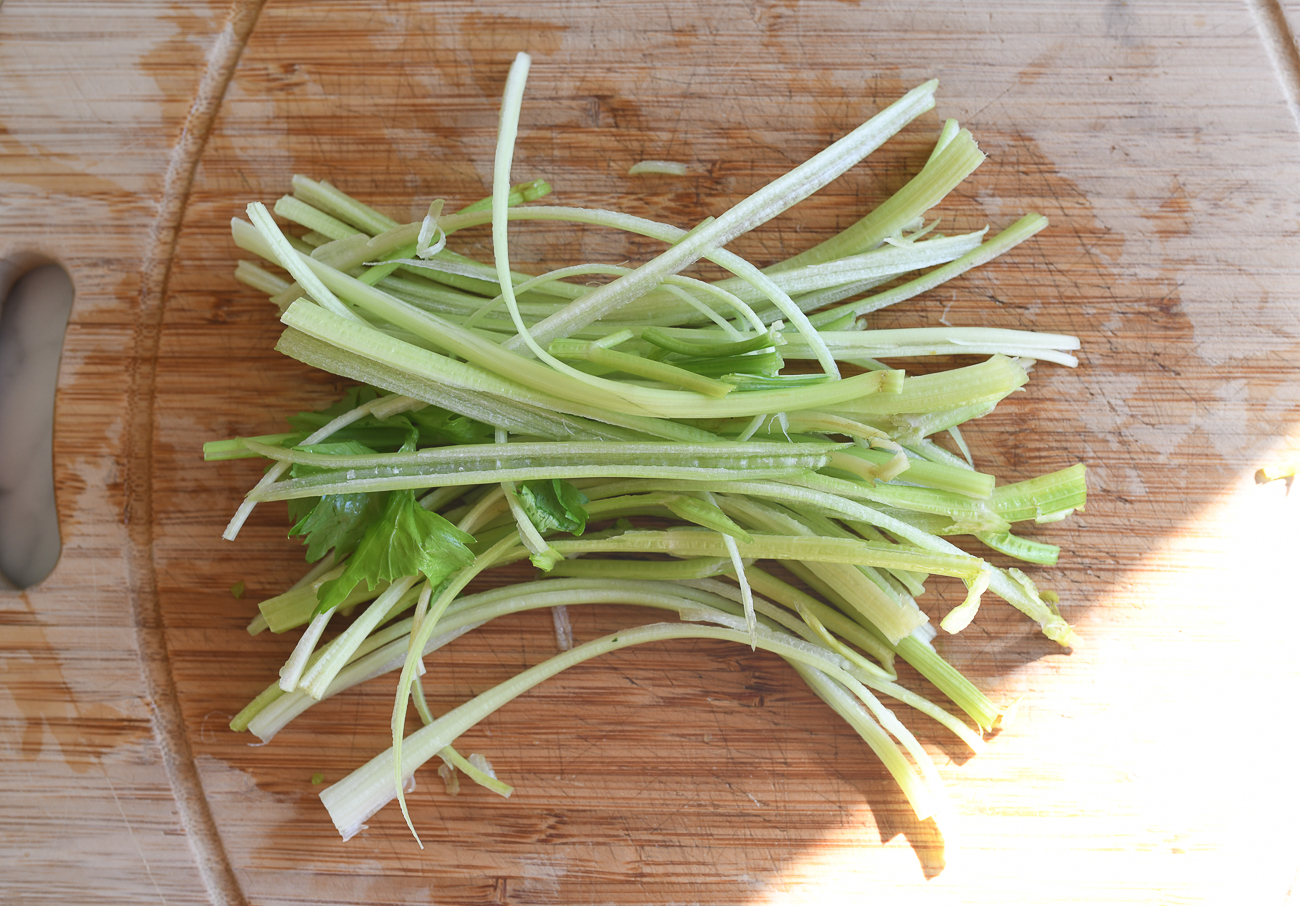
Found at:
(1152, 765)
(96, 100)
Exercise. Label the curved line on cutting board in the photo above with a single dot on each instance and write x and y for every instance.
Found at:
(168, 721)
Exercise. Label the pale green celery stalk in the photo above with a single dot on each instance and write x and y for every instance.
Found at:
(950, 681)
(439, 299)
(738, 566)
(374, 641)
(233, 447)
(837, 696)
(638, 400)
(389, 236)
(295, 607)
(476, 610)
(519, 194)
(483, 353)
(293, 668)
(458, 460)
(986, 381)
(505, 149)
(385, 655)
(1009, 238)
(670, 404)
(808, 492)
(825, 423)
(260, 279)
(387, 649)
(836, 555)
(327, 198)
(704, 543)
(769, 201)
(946, 678)
(926, 341)
(467, 275)
(310, 578)
(730, 599)
(676, 286)
(743, 269)
(463, 764)
(316, 679)
(928, 450)
(338, 253)
(297, 211)
(295, 262)
(895, 614)
(967, 482)
(910, 429)
(419, 478)
(577, 270)
(541, 554)
(301, 245)
(643, 227)
(911, 582)
(527, 414)
(473, 611)
(639, 366)
(277, 470)
(709, 343)
(341, 249)
(955, 433)
(951, 129)
(1021, 548)
(956, 159)
(666, 570)
(814, 631)
(807, 284)
(882, 263)
(810, 302)
(493, 556)
(773, 588)
(423, 364)
(883, 715)
(363, 792)
(265, 699)
(968, 514)
(898, 584)
(1043, 499)
(827, 493)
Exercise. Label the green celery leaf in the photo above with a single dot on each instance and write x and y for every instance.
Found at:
(427, 427)
(355, 396)
(554, 504)
(407, 539)
(337, 521)
(438, 427)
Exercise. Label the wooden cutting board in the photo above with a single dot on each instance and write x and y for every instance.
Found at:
(1154, 764)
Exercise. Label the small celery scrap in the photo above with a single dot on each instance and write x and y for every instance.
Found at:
(741, 454)
(660, 167)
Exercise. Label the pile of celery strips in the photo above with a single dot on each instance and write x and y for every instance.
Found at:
(734, 453)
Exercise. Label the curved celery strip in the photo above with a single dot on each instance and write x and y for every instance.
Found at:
(1009, 238)
(369, 788)
(764, 204)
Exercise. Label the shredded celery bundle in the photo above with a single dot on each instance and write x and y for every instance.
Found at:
(640, 441)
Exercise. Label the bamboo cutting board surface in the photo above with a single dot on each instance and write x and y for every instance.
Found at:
(1153, 764)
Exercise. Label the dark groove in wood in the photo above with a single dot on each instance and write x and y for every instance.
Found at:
(169, 725)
